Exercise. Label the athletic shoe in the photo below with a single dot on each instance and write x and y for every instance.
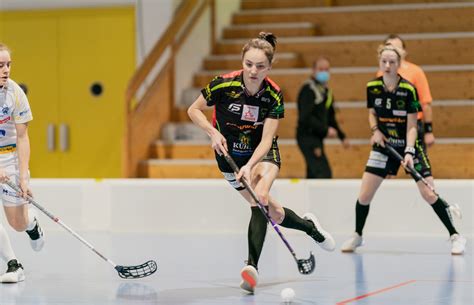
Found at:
(36, 237)
(322, 238)
(14, 273)
(249, 278)
(352, 243)
(458, 244)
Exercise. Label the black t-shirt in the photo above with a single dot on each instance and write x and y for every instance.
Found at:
(238, 116)
(392, 108)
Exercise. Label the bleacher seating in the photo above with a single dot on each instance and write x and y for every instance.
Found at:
(441, 41)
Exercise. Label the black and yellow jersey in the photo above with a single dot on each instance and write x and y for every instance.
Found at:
(238, 115)
(392, 108)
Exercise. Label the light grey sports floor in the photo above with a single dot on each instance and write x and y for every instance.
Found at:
(204, 270)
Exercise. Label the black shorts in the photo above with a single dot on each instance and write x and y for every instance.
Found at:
(273, 156)
(381, 163)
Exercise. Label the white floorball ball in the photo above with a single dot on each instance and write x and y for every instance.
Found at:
(287, 295)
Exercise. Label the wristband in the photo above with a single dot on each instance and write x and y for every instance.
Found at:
(410, 150)
(428, 127)
(374, 128)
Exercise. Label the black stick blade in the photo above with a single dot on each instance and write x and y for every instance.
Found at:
(306, 266)
(136, 272)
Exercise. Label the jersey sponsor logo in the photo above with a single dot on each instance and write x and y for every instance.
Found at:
(250, 113)
(5, 120)
(401, 93)
(233, 94)
(230, 177)
(24, 112)
(7, 149)
(392, 120)
(244, 139)
(396, 142)
(263, 113)
(376, 164)
(393, 133)
(234, 108)
(5, 110)
(243, 147)
(400, 112)
(244, 127)
(378, 156)
(10, 193)
(377, 159)
(265, 99)
(376, 91)
(3, 133)
(378, 102)
(242, 153)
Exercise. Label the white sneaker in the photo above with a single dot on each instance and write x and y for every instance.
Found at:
(14, 273)
(322, 238)
(36, 237)
(249, 278)
(352, 243)
(458, 244)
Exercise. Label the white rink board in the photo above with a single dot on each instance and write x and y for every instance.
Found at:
(212, 206)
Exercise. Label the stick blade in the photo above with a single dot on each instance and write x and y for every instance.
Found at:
(136, 272)
(306, 266)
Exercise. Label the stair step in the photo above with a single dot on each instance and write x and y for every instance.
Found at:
(179, 169)
(448, 157)
(453, 118)
(348, 84)
(360, 50)
(266, 4)
(289, 29)
(234, 61)
(373, 19)
(397, 2)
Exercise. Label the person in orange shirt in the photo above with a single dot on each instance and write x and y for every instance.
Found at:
(415, 75)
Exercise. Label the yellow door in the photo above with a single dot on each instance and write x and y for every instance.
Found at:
(32, 39)
(97, 59)
(65, 58)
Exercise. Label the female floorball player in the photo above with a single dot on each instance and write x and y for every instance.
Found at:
(415, 75)
(393, 106)
(247, 106)
(15, 114)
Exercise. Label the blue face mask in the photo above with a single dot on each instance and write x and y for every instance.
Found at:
(322, 76)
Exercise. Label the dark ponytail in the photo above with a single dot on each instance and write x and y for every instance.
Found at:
(269, 37)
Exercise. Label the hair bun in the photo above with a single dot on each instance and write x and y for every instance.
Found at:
(268, 37)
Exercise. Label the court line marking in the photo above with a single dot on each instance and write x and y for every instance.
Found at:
(375, 292)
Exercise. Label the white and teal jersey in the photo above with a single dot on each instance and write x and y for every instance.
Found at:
(14, 109)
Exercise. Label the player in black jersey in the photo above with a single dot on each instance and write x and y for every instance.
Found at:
(393, 107)
(247, 107)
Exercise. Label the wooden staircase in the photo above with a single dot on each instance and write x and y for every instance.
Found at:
(441, 41)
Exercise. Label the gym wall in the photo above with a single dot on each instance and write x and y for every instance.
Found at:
(213, 207)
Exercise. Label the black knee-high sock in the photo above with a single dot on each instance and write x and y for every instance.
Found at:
(293, 221)
(362, 211)
(256, 235)
(440, 210)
